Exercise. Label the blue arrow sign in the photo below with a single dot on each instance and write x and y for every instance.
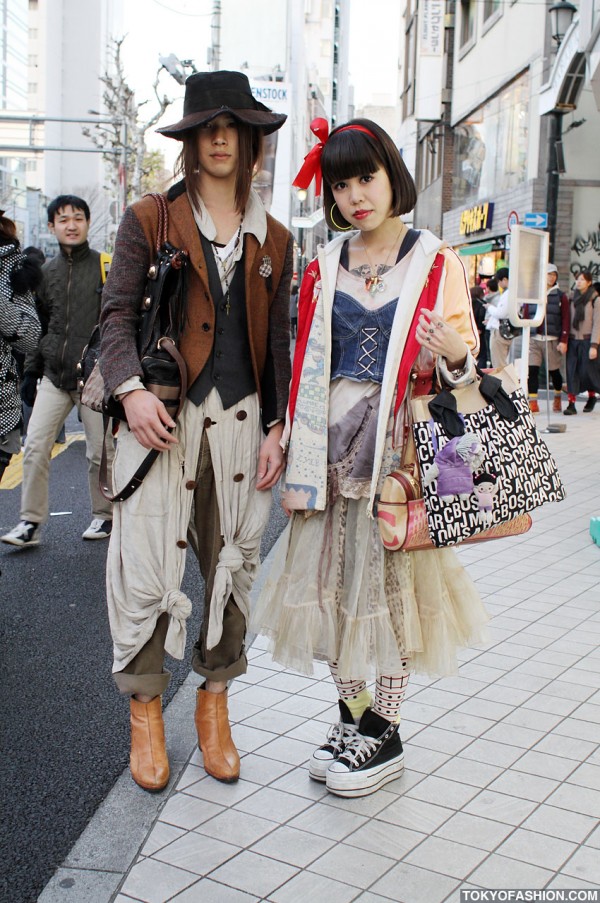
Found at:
(536, 220)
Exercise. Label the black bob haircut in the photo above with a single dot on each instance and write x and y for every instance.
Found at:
(67, 200)
(349, 153)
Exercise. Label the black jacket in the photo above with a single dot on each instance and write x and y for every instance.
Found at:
(69, 306)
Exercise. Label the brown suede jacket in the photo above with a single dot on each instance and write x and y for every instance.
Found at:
(267, 299)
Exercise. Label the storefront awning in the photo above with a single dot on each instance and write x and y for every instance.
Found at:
(482, 248)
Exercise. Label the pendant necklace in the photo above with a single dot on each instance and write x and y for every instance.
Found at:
(227, 264)
(374, 282)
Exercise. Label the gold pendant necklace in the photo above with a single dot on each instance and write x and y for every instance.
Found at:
(374, 282)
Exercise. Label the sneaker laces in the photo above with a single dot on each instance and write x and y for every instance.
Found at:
(360, 748)
(340, 735)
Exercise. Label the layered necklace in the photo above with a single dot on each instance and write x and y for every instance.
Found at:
(225, 256)
(373, 275)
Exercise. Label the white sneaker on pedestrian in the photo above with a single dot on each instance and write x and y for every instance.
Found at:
(98, 529)
(24, 534)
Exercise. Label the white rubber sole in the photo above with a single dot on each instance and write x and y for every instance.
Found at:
(362, 783)
(318, 769)
(19, 543)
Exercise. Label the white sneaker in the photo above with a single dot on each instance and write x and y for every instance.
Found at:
(24, 534)
(337, 737)
(98, 529)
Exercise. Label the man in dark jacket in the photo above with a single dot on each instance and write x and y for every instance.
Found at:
(69, 302)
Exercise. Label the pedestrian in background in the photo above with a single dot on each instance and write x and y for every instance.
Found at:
(20, 331)
(499, 346)
(211, 483)
(69, 302)
(480, 313)
(583, 367)
(548, 342)
(294, 310)
(334, 593)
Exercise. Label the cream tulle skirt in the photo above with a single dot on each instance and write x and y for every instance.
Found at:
(335, 594)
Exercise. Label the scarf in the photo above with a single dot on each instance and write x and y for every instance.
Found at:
(580, 301)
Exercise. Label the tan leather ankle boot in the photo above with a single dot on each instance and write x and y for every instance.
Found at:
(148, 761)
(221, 759)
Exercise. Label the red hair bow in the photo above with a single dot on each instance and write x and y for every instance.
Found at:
(311, 168)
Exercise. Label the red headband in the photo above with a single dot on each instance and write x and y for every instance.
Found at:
(311, 168)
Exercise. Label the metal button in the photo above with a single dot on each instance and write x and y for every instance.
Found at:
(181, 544)
(220, 330)
(238, 477)
(241, 415)
(147, 302)
(206, 327)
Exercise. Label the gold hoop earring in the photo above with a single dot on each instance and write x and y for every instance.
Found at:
(339, 228)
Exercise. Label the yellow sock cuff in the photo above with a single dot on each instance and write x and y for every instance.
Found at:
(358, 704)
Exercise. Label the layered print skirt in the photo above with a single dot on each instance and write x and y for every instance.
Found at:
(335, 594)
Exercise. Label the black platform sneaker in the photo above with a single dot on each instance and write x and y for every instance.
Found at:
(337, 737)
(372, 758)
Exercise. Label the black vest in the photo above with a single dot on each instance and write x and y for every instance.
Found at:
(229, 367)
(553, 315)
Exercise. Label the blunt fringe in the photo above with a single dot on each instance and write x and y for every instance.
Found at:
(250, 152)
(353, 153)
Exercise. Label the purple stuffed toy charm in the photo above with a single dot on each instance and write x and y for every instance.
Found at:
(454, 466)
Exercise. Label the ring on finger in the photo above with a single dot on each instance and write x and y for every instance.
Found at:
(431, 331)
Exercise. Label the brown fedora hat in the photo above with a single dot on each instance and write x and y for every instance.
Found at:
(208, 94)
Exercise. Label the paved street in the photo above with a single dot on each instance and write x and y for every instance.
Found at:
(64, 727)
(502, 780)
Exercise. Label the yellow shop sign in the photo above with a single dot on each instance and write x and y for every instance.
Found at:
(476, 219)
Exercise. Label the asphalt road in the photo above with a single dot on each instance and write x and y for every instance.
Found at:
(64, 727)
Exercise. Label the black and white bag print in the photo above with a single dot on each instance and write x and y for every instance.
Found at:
(481, 458)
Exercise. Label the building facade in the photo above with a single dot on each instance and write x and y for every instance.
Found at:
(482, 135)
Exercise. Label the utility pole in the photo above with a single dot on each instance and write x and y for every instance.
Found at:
(214, 54)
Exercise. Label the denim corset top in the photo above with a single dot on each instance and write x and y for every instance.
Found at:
(359, 338)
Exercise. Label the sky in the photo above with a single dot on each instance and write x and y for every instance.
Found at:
(182, 27)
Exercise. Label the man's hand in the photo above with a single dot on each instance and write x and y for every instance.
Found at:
(593, 354)
(271, 459)
(562, 347)
(148, 418)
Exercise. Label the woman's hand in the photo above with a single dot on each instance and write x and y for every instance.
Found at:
(148, 418)
(435, 334)
(593, 354)
(271, 459)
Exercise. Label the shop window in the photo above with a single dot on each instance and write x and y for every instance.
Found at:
(491, 146)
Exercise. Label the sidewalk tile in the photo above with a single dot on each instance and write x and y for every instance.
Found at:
(498, 871)
(285, 749)
(407, 884)
(248, 739)
(466, 771)
(544, 765)
(500, 807)
(586, 776)
(155, 882)
(231, 828)
(537, 849)
(295, 847)
(440, 740)
(208, 891)
(196, 853)
(308, 886)
(585, 865)
(525, 786)
(327, 821)
(159, 837)
(360, 868)
(187, 812)
(257, 874)
(416, 815)
(567, 882)
(221, 793)
(456, 860)
(388, 840)
(576, 799)
(258, 770)
(297, 781)
(273, 804)
(561, 823)
(443, 792)
(474, 831)
(567, 747)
